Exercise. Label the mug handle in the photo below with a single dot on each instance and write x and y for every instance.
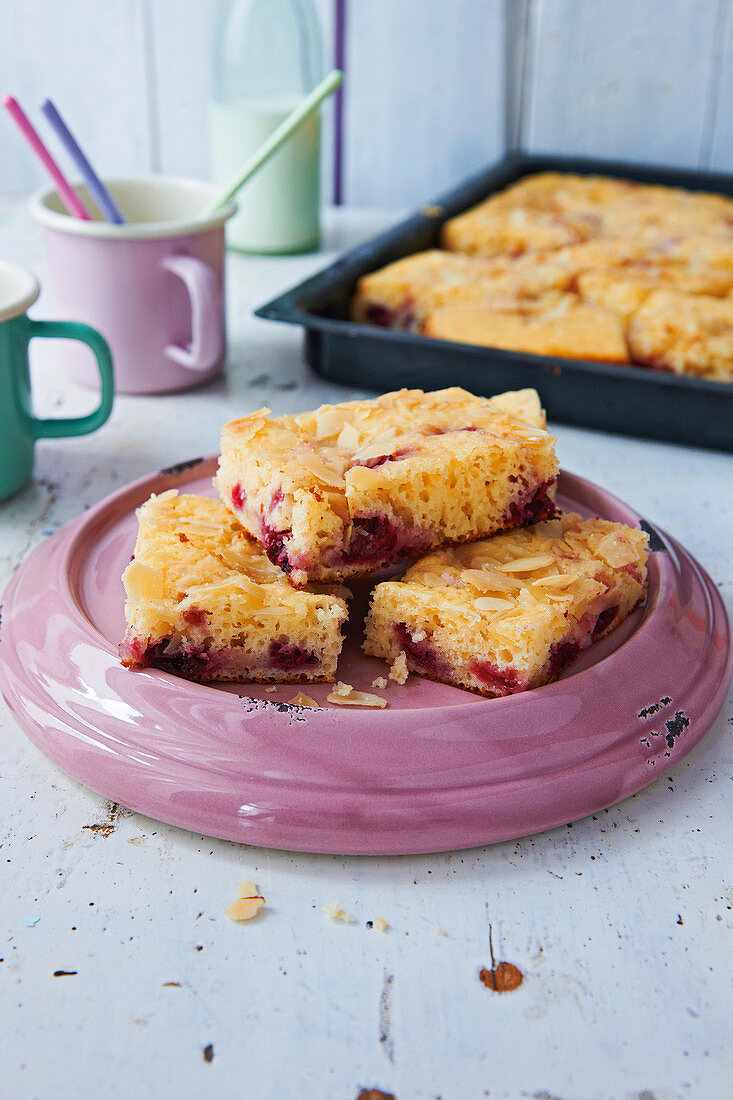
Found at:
(207, 335)
(76, 425)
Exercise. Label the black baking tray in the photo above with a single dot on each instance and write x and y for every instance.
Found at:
(630, 400)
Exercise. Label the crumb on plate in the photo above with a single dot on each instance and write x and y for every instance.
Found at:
(353, 698)
(380, 682)
(399, 672)
(300, 699)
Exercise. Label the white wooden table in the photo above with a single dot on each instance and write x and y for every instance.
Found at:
(619, 923)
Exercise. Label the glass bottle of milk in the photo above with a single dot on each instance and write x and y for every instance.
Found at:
(267, 57)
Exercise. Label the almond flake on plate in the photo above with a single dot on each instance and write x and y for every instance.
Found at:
(300, 699)
(354, 698)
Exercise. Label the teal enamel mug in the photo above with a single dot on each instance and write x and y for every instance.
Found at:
(19, 428)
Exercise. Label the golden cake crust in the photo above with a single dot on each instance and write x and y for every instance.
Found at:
(556, 325)
(609, 243)
(203, 599)
(349, 488)
(505, 614)
(685, 334)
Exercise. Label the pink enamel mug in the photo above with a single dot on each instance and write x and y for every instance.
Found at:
(154, 287)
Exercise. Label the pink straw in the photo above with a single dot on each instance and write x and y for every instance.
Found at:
(67, 195)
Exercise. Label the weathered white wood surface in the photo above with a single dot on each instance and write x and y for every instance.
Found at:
(433, 90)
(620, 924)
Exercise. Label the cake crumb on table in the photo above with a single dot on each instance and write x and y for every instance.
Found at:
(399, 672)
(380, 924)
(439, 931)
(336, 913)
(247, 903)
(380, 682)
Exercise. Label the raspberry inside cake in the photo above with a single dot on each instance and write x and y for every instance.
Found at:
(351, 488)
(205, 602)
(509, 613)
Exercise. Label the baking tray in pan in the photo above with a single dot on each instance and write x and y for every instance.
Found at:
(630, 400)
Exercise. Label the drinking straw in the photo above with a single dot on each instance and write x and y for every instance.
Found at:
(68, 196)
(305, 108)
(96, 188)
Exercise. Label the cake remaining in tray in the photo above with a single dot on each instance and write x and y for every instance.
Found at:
(551, 209)
(556, 324)
(509, 613)
(204, 601)
(351, 488)
(684, 333)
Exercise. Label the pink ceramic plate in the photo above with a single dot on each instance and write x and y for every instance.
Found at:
(438, 769)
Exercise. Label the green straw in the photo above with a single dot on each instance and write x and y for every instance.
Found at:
(329, 84)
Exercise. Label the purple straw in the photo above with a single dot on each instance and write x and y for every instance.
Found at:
(97, 190)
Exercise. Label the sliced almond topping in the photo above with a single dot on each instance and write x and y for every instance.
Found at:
(300, 699)
(357, 699)
(380, 445)
(349, 438)
(559, 580)
(527, 565)
(362, 477)
(320, 470)
(498, 581)
(550, 528)
(492, 603)
(329, 421)
(247, 426)
(142, 582)
(616, 550)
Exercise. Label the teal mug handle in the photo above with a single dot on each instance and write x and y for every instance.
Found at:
(76, 425)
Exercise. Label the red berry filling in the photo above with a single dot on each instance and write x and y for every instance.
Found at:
(561, 654)
(239, 497)
(275, 546)
(604, 620)
(402, 318)
(422, 655)
(286, 656)
(195, 616)
(196, 663)
(379, 460)
(533, 505)
(499, 681)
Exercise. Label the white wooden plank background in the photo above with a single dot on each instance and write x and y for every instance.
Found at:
(91, 60)
(721, 136)
(622, 78)
(424, 100)
(433, 89)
